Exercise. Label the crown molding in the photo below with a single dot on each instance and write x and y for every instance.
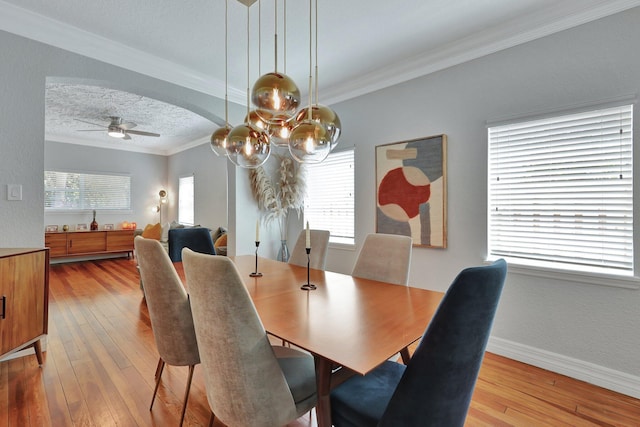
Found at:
(489, 41)
(45, 30)
(36, 27)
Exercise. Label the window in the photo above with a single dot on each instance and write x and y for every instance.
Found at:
(72, 191)
(329, 204)
(185, 200)
(561, 191)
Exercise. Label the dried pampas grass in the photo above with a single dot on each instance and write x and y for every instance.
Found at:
(287, 194)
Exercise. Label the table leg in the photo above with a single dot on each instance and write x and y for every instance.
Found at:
(323, 381)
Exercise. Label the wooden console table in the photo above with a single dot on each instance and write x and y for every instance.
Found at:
(24, 299)
(85, 243)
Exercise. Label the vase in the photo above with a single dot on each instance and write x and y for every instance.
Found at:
(94, 223)
(283, 253)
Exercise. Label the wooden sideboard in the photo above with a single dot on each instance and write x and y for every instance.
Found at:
(86, 243)
(24, 299)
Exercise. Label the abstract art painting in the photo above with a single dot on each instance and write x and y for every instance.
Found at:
(411, 190)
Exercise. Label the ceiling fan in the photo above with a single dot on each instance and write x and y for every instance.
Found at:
(118, 128)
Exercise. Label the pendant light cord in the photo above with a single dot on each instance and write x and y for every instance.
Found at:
(248, 62)
(316, 64)
(226, 63)
(309, 113)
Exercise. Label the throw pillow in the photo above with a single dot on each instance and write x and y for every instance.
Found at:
(220, 242)
(152, 231)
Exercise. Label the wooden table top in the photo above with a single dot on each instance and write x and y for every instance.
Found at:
(357, 323)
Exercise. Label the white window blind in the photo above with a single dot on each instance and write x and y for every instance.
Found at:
(72, 191)
(561, 190)
(185, 200)
(329, 204)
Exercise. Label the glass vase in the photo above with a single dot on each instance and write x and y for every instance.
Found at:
(283, 252)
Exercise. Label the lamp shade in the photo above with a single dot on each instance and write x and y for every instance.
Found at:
(326, 117)
(248, 146)
(219, 140)
(280, 129)
(275, 94)
(309, 142)
(257, 120)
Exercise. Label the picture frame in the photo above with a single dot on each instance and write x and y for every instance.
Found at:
(411, 190)
(51, 228)
(81, 227)
(108, 227)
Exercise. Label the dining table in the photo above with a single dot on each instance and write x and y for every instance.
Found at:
(345, 321)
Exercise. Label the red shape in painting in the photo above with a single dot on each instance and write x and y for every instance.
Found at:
(396, 189)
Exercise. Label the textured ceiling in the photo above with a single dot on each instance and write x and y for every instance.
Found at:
(68, 107)
(363, 45)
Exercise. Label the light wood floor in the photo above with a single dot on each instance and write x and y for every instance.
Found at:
(101, 358)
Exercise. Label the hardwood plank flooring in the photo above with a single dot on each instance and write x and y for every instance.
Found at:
(100, 361)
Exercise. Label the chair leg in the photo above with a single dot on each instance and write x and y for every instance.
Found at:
(211, 419)
(186, 393)
(158, 368)
(405, 355)
(158, 376)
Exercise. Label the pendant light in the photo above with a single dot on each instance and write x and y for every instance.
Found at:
(247, 145)
(322, 114)
(219, 137)
(281, 125)
(275, 94)
(309, 142)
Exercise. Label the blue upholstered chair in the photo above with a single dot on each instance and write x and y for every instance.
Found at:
(435, 388)
(198, 239)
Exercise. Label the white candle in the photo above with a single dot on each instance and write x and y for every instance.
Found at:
(257, 230)
(308, 236)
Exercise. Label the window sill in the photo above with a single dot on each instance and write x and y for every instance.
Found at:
(584, 277)
(342, 246)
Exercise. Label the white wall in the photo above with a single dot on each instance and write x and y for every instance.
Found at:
(588, 324)
(210, 185)
(148, 175)
(25, 67)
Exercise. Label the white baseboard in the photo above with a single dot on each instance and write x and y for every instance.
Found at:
(585, 371)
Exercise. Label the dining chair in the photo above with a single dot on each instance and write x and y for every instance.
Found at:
(319, 240)
(436, 386)
(384, 257)
(248, 381)
(196, 238)
(169, 311)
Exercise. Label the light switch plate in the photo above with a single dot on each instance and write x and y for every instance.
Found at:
(14, 192)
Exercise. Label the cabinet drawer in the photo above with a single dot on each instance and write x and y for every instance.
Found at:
(57, 243)
(86, 242)
(120, 240)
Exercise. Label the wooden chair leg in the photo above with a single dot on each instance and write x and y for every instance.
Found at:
(186, 393)
(155, 391)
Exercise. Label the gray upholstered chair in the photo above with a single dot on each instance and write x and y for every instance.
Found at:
(319, 247)
(248, 382)
(435, 388)
(384, 257)
(169, 311)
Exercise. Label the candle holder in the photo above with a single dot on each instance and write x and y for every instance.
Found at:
(308, 286)
(256, 273)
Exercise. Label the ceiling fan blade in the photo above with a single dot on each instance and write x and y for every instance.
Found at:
(127, 125)
(95, 124)
(126, 136)
(139, 132)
